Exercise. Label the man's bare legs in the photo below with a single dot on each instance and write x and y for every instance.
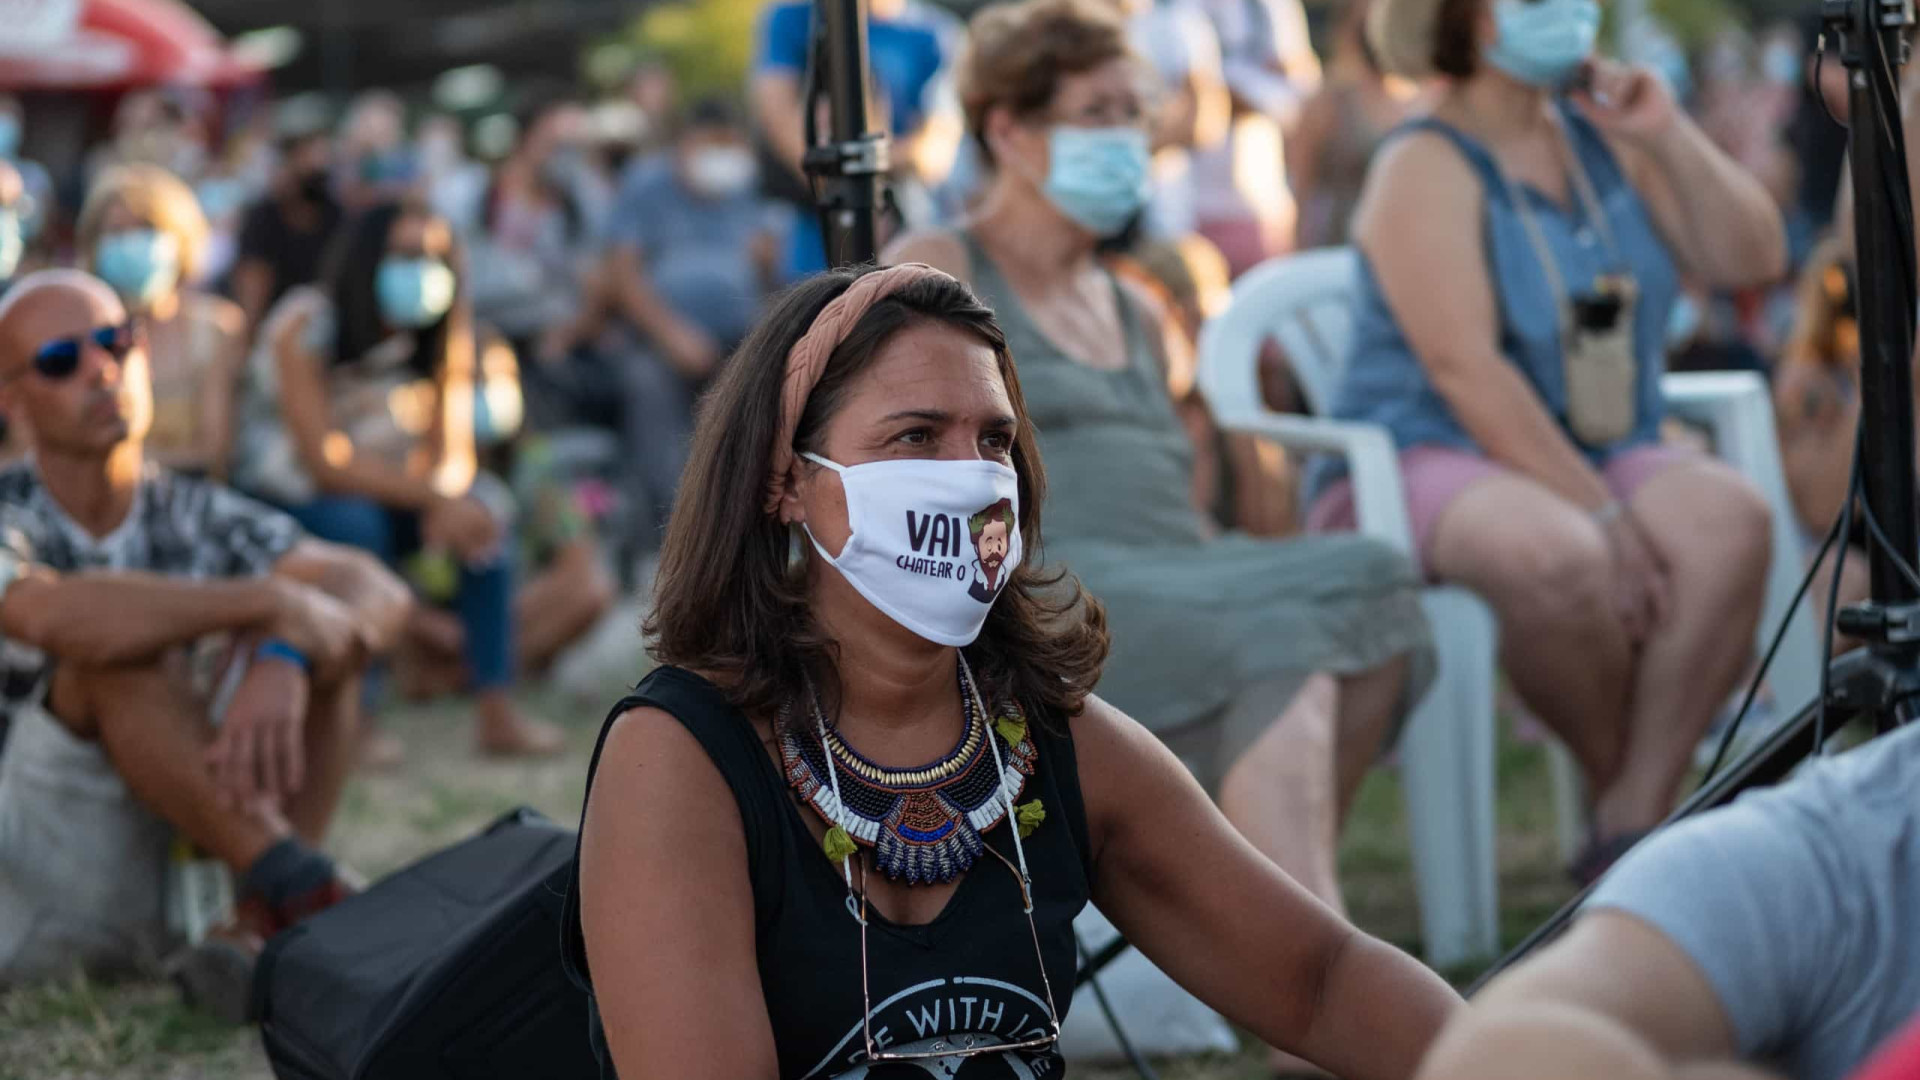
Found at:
(155, 730)
(333, 738)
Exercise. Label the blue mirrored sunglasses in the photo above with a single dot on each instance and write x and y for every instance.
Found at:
(60, 358)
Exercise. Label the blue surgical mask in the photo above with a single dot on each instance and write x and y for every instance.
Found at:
(1542, 42)
(1098, 176)
(1780, 63)
(13, 244)
(140, 264)
(9, 135)
(414, 293)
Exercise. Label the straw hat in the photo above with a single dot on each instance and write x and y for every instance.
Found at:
(1401, 32)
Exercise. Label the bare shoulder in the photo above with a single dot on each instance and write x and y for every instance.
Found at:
(941, 249)
(1418, 171)
(1422, 200)
(1122, 765)
(651, 756)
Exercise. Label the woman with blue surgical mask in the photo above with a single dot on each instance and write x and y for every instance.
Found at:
(1252, 657)
(141, 230)
(1522, 244)
(361, 421)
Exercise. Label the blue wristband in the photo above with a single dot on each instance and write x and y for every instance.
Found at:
(276, 649)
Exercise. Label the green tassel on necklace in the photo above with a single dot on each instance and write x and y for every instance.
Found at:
(838, 845)
(1012, 728)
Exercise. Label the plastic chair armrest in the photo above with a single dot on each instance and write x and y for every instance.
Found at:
(1373, 463)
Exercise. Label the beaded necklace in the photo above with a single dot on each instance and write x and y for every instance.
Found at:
(924, 825)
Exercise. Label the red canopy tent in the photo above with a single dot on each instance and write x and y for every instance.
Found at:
(112, 44)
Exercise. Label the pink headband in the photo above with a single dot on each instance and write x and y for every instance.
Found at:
(809, 356)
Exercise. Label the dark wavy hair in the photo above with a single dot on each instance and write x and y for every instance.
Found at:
(730, 604)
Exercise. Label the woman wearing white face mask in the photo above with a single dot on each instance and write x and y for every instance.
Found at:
(845, 829)
(1521, 248)
(1277, 669)
(142, 232)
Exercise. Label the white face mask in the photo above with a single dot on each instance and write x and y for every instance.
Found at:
(933, 542)
(721, 172)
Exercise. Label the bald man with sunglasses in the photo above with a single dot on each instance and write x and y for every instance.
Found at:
(176, 661)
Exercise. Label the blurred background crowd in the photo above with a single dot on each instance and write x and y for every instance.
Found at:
(616, 202)
(516, 240)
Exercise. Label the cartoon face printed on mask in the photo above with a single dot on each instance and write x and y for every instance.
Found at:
(992, 531)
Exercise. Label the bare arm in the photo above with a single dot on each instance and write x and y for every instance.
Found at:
(327, 455)
(1715, 216)
(663, 893)
(775, 97)
(378, 600)
(115, 616)
(1231, 927)
(1212, 101)
(1419, 224)
(683, 344)
(1615, 998)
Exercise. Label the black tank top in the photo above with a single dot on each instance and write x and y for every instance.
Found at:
(971, 970)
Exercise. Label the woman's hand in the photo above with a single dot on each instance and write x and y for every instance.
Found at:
(1630, 103)
(1641, 590)
(463, 526)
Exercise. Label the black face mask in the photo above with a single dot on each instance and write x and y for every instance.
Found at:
(315, 186)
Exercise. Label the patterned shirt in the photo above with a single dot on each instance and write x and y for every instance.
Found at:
(177, 526)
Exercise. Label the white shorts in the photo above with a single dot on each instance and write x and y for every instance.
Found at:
(83, 864)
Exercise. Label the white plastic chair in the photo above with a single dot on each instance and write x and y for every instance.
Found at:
(1305, 302)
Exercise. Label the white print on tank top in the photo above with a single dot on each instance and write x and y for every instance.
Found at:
(953, 1011)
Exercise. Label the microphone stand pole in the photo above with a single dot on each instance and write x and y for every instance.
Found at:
(845, 169)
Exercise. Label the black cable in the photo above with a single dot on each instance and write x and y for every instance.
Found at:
(1113, 1020)
(1844, 528)
(1766, 661)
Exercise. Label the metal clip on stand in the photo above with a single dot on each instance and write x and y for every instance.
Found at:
(846, 170)
(1881, 682)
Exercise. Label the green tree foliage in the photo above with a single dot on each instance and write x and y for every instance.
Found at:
(707, 44)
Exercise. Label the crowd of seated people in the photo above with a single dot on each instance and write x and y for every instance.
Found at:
(304, 403)
(1277, 668)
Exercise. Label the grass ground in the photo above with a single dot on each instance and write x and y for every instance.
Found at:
(83, 1030)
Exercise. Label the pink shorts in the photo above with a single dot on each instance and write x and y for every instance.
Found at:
(1436, 475)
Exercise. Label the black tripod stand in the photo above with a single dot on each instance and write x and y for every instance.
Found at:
(1879, 684)
(846, 169)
